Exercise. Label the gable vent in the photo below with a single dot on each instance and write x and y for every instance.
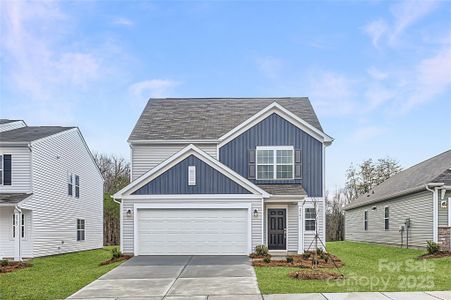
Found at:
(191, 175)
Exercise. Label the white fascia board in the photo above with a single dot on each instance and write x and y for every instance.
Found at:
(151, 142)
(282, 112)
(239, 197)
(179, 156)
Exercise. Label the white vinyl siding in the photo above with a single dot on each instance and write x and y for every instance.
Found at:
(54, 213)
(127, 239)
(20, 170)
(146, 157)
(417, 207)
(11, 126)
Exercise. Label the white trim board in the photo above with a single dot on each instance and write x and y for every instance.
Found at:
(178, 157)
(137, 206)
(282, 112)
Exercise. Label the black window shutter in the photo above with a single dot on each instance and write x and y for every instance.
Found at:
(297, 164)
(7, 169)
(251, 155)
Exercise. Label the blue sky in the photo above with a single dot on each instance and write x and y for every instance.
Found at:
(378, 73)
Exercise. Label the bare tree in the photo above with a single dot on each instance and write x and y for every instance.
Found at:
(367, 175)
(335, 216)
(116, 173)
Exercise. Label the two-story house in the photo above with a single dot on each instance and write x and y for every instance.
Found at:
(221, 176)
(51, 191)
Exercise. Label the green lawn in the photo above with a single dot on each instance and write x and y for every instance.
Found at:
(362, 272)
(55, 277)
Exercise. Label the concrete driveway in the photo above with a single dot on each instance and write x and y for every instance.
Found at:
(176, 277)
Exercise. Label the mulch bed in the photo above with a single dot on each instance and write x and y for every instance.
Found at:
(435, 255)
(301, 262)
(14, 266)
(255, 256)
(113, 260)
(315, 275)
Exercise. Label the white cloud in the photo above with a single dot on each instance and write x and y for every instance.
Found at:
(270, 66)
(364, 134)
(153, 88)
(332, 94)
(34, 64)
(123, 22)
(405, 14)
(377, 74)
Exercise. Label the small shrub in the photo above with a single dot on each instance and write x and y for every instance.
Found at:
(4, 262)
(267, 260)
(116, 253)
(432, 247)
(261, 250)
(290, 259)
(319, 251)
(306, 255)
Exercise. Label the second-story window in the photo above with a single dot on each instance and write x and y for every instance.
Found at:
(275, 163)
(77, 186)
(70, 184)
(5, 169)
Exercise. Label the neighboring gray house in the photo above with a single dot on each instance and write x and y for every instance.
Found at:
(220, 176)
(51, 191)
(421, 194)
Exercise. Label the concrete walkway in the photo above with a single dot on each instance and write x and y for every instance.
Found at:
(442, 295)
(176, 278)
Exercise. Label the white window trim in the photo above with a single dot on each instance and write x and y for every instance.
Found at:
(77, 230)
(449, 211)
(274, 149)
(191, 175)
(387, 218)
(14, 224)
(309, 219)
(70, 180)
(20, 226)
(365, 220)
(2, 169)
(76, 185)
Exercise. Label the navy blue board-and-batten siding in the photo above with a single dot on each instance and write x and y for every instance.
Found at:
(276, 131)
(175, 181)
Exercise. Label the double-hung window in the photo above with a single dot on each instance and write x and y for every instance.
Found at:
(77, 186)
(70, 184)
(365, 220)
(15, 224)
(275, 163)
(310, 219)
(80, 229)
(386, 218)
(5, 169)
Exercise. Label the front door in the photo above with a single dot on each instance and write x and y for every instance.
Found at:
(277, 229)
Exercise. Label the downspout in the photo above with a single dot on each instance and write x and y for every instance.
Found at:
(434, 209)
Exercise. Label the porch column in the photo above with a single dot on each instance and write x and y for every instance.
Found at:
(17, 250)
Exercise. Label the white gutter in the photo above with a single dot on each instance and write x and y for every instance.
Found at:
(434, 209)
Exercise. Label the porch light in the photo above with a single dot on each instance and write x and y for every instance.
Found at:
(255, 213)
(129, 212)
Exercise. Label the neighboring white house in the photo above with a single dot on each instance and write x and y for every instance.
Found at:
(51, 191)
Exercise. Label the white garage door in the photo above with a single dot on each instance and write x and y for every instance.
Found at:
(192, 231)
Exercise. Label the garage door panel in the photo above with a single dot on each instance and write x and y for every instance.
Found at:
(192, 231)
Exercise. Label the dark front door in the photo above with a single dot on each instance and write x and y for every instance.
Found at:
(277, 229)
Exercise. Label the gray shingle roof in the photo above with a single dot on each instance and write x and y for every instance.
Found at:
(283, 189)
(30, 133)
(435, 169)
(12, 198)
(6, 121)
(208, 118)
